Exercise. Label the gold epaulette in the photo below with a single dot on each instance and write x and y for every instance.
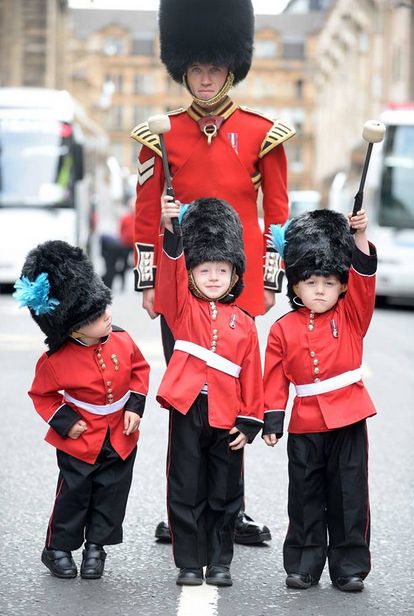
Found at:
(142, 134)
(278, 133)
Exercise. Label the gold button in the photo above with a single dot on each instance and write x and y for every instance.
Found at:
(103, 366)
(215, 337)
(316, 380)
(109, 383)
(310, 327)
(109, 390)
(215, 331)
(99, 355)
(312, 353)
(315, 362)
(316, 371)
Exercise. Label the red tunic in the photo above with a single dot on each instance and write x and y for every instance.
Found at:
(245, 154)
(79, 370)
(299, 356)
(231, 400)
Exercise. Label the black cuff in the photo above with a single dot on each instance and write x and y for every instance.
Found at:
(136, 404)
(249, 427)
(365, 264)
(64, 419)
(173, 244)
(273, 423)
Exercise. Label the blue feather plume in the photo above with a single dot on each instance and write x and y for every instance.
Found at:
(276, 237)
(35, 295)
(183, 209)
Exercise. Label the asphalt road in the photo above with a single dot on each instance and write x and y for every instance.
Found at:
(140, 575)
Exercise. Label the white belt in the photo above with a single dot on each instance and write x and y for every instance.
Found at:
(335, 382)
(213, 360)
(99, 409)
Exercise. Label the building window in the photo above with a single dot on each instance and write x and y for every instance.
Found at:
(117, 150)
(143, 45)
(144, 84)
(141, 113)
(115, 117)
(265, 49)
(293, 50)
(114, 46)
(299, 89)
(117, 81)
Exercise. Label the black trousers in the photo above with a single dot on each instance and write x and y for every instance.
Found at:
(90, 500)
(168, 348)
(204, 489)
(328, 503)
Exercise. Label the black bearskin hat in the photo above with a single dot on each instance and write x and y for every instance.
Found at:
(212, 231)
(217, 32)
(317, 242)
(61, 290)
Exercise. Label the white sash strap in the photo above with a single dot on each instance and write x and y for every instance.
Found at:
(99, 409)
(213, 360)
(335, 382)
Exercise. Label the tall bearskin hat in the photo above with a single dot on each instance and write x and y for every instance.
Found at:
(317, 242)
(212, 231)
(217, 32)
(63, 293)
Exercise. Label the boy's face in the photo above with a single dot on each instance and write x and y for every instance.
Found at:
(213, 278)
(319, 293)
(100, 327)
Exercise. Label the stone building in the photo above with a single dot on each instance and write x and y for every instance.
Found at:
(33, 37)
(365, 63)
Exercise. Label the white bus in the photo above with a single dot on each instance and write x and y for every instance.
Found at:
(389, 201)
(52, 170)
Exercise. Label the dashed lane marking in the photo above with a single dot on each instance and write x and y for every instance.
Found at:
(198, 600)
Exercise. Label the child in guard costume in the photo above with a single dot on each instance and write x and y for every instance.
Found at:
(90, 387)
(212, 385)
(318, 348)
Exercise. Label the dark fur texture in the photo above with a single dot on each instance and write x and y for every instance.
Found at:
(82, 295)
(212, 231)
(317, 242)
(209, 32)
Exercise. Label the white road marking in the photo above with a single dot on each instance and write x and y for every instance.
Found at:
(198, 601)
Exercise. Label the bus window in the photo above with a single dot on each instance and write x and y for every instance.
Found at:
(396, 207)
(36, 163)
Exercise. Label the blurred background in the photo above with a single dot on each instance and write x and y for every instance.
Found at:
(67, 165)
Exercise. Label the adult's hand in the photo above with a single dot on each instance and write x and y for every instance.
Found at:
(148, 296)
(269, 299)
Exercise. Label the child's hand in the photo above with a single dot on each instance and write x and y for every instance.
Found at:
(170, 209)
(131, 422)
(240, 441)
(270, 439)
(359, 222)
(77, 429)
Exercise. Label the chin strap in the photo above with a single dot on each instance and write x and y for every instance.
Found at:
(214, 100)
(196, 291)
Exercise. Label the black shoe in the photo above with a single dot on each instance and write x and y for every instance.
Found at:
(351, 583)
(300, 580)
(59, 563)
(162, 533)
(218, 575)
(190, 577)
(248, 532)
(93, 561)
